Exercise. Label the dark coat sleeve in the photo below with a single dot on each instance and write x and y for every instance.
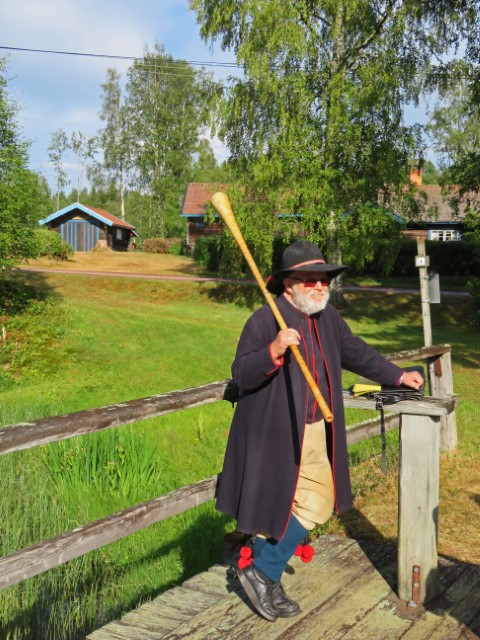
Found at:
(253, 363)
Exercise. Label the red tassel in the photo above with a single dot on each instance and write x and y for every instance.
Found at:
(298, 551)
(246, 557)
(244, 562)
(307, 553)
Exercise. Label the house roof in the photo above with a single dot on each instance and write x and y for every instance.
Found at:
(434, 204)
(105, 217)
(196, 198)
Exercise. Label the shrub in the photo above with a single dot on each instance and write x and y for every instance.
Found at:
(446, 258)
(50, 244)
(473, 288)
(208, 252)
(161, 245)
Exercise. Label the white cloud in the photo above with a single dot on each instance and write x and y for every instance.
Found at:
(59, 91)
(89, 26)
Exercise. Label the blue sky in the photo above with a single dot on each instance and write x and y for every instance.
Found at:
(63, 92)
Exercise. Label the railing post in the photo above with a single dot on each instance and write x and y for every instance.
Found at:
(441, 385)
(418, 506)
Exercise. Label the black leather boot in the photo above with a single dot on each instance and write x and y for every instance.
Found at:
(259, 589)
(284, 606)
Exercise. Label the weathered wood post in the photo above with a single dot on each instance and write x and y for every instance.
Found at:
(422, 262)
(418, 506)
(441, 386)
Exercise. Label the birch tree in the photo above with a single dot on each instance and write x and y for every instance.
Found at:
(165, 115)
(59, 145)
(316, 123)
(113, 137)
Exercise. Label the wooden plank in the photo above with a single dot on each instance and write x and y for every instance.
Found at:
(344, 592)
(422, 353)
(419, 473)
(426, 407)
(119, 631)
(370, 428)
(32, 434)
(50, 553)
(339, 616)
(451, 614)
(105, 634)
(209, 582)
(234, 618)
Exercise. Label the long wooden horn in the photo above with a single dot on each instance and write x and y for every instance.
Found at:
(222, 205)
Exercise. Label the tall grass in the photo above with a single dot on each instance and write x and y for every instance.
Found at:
(101, 341)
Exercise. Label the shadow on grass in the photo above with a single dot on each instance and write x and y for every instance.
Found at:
(238, 293)
(58, 611)
(395, 320)
(19, 290)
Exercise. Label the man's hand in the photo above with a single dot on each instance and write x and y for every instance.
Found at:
(413, 379)
(285, 338)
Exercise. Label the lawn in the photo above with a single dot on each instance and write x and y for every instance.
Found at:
(93, 341)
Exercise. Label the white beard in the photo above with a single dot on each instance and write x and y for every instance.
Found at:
(306, 304)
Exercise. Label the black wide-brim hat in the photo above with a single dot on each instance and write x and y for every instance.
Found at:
(302, 256)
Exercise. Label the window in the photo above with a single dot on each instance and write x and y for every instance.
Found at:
(118, 234)
(444, 234)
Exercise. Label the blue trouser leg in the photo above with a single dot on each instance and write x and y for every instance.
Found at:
(272, 556)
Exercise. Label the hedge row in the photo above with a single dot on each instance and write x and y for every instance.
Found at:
(446, 258)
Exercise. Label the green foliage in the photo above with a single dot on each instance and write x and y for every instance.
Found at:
(123, 460)
(96, 367)
(50, 244)
(315, 125)
(56, 151)
(472, 226)
(208, 251)
(360, 235)
(446, 258)
(164, 113)
(455, 131)
(473, 288)
(23, 194)
(430, 174)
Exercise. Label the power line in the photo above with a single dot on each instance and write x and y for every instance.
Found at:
(227, 65)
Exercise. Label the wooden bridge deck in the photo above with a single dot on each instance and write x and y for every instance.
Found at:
(347, 591)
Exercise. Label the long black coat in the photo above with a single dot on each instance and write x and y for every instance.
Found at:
(263, 454)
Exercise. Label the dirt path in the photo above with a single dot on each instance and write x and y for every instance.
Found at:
(150, 276)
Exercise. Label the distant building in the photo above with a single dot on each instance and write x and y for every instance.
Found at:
(437, 220)
(194, 207)
(86, 228)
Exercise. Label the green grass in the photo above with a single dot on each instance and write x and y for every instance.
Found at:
(98, 341)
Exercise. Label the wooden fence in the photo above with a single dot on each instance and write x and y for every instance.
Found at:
(426, 427)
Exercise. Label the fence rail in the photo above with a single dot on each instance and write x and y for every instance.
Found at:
(429, 413)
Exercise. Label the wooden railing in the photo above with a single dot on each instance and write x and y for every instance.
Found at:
(426, 426)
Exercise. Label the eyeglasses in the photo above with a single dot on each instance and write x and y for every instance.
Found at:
(312, 281)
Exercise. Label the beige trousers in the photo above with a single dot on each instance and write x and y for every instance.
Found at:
(314, 498)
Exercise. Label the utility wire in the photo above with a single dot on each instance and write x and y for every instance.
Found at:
(228, 65)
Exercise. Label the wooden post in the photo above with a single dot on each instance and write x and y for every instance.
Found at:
(418, 506)
(441, 385)
(421, 262)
